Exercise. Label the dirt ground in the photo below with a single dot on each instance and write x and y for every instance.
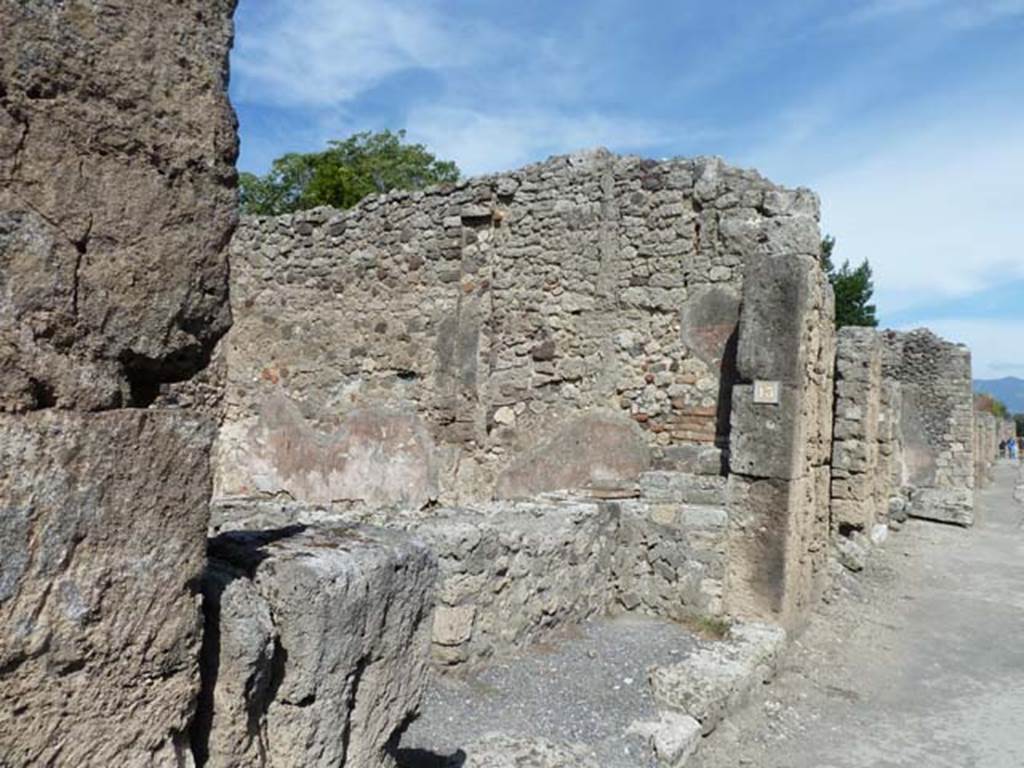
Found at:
(917, 661)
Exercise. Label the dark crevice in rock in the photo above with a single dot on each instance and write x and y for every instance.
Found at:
(424, 758)
(728, 378)
(209, 668)
(81, 246)
(849, 529)
(43, 395)
(355, 678)
(145, 375)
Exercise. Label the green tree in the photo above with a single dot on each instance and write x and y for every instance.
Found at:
(995, 406)
(343, 174)
(853, 288)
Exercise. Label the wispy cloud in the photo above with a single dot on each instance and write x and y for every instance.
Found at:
(937, 213)
(961, 14)
(320, 53)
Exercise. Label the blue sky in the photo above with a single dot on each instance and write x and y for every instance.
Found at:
(906, 116)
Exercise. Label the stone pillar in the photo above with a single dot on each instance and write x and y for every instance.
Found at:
(779, 449)
(117, 200)
(857, 471)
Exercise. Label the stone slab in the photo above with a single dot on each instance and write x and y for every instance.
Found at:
(717, 678)
(953, 505)
(117, 153)
(317, 645)
(102, 542)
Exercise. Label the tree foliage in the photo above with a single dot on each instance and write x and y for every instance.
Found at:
(995, 406)
(853, 288)
(343, 174)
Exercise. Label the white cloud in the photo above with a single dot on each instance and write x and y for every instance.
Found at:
(958, 14)
(318, 53)
(937, 214)
(483, 142)
(997, 346)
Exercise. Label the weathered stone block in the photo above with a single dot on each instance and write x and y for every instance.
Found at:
(947, 505)
(719, 677)
(102, 542)
(316, 648)
(763, 436)
(117, 150)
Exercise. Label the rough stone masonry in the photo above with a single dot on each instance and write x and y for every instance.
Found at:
(907, 439)
(591, 326)
(936, 423)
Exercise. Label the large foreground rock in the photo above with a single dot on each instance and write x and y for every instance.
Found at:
(102, 543)
(316, 648)
(117, 197)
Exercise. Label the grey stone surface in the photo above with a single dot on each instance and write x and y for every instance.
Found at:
(851, 551)
(718, 677)
(117, 201)
(585, 688)
(497, 750)
(674, 737)
(514, 572)
(103, 523)
(316, 646)
(936, 418)
(946, 505)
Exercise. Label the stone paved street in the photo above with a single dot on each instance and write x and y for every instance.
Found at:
(920, 662)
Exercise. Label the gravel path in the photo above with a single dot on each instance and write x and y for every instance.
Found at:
(585, 688)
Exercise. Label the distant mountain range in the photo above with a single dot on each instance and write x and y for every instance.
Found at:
(1010, 390)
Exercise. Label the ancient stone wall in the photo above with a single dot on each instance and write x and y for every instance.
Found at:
(117, 200)
(483, 323)
(936, 422)
(316, 646)
(987, 429)
(511, 571)
(571, 326)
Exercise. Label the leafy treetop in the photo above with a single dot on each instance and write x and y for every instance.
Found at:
(853, 288)
(985, 402)
(343, 174)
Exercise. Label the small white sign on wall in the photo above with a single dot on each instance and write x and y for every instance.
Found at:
(767, 392)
